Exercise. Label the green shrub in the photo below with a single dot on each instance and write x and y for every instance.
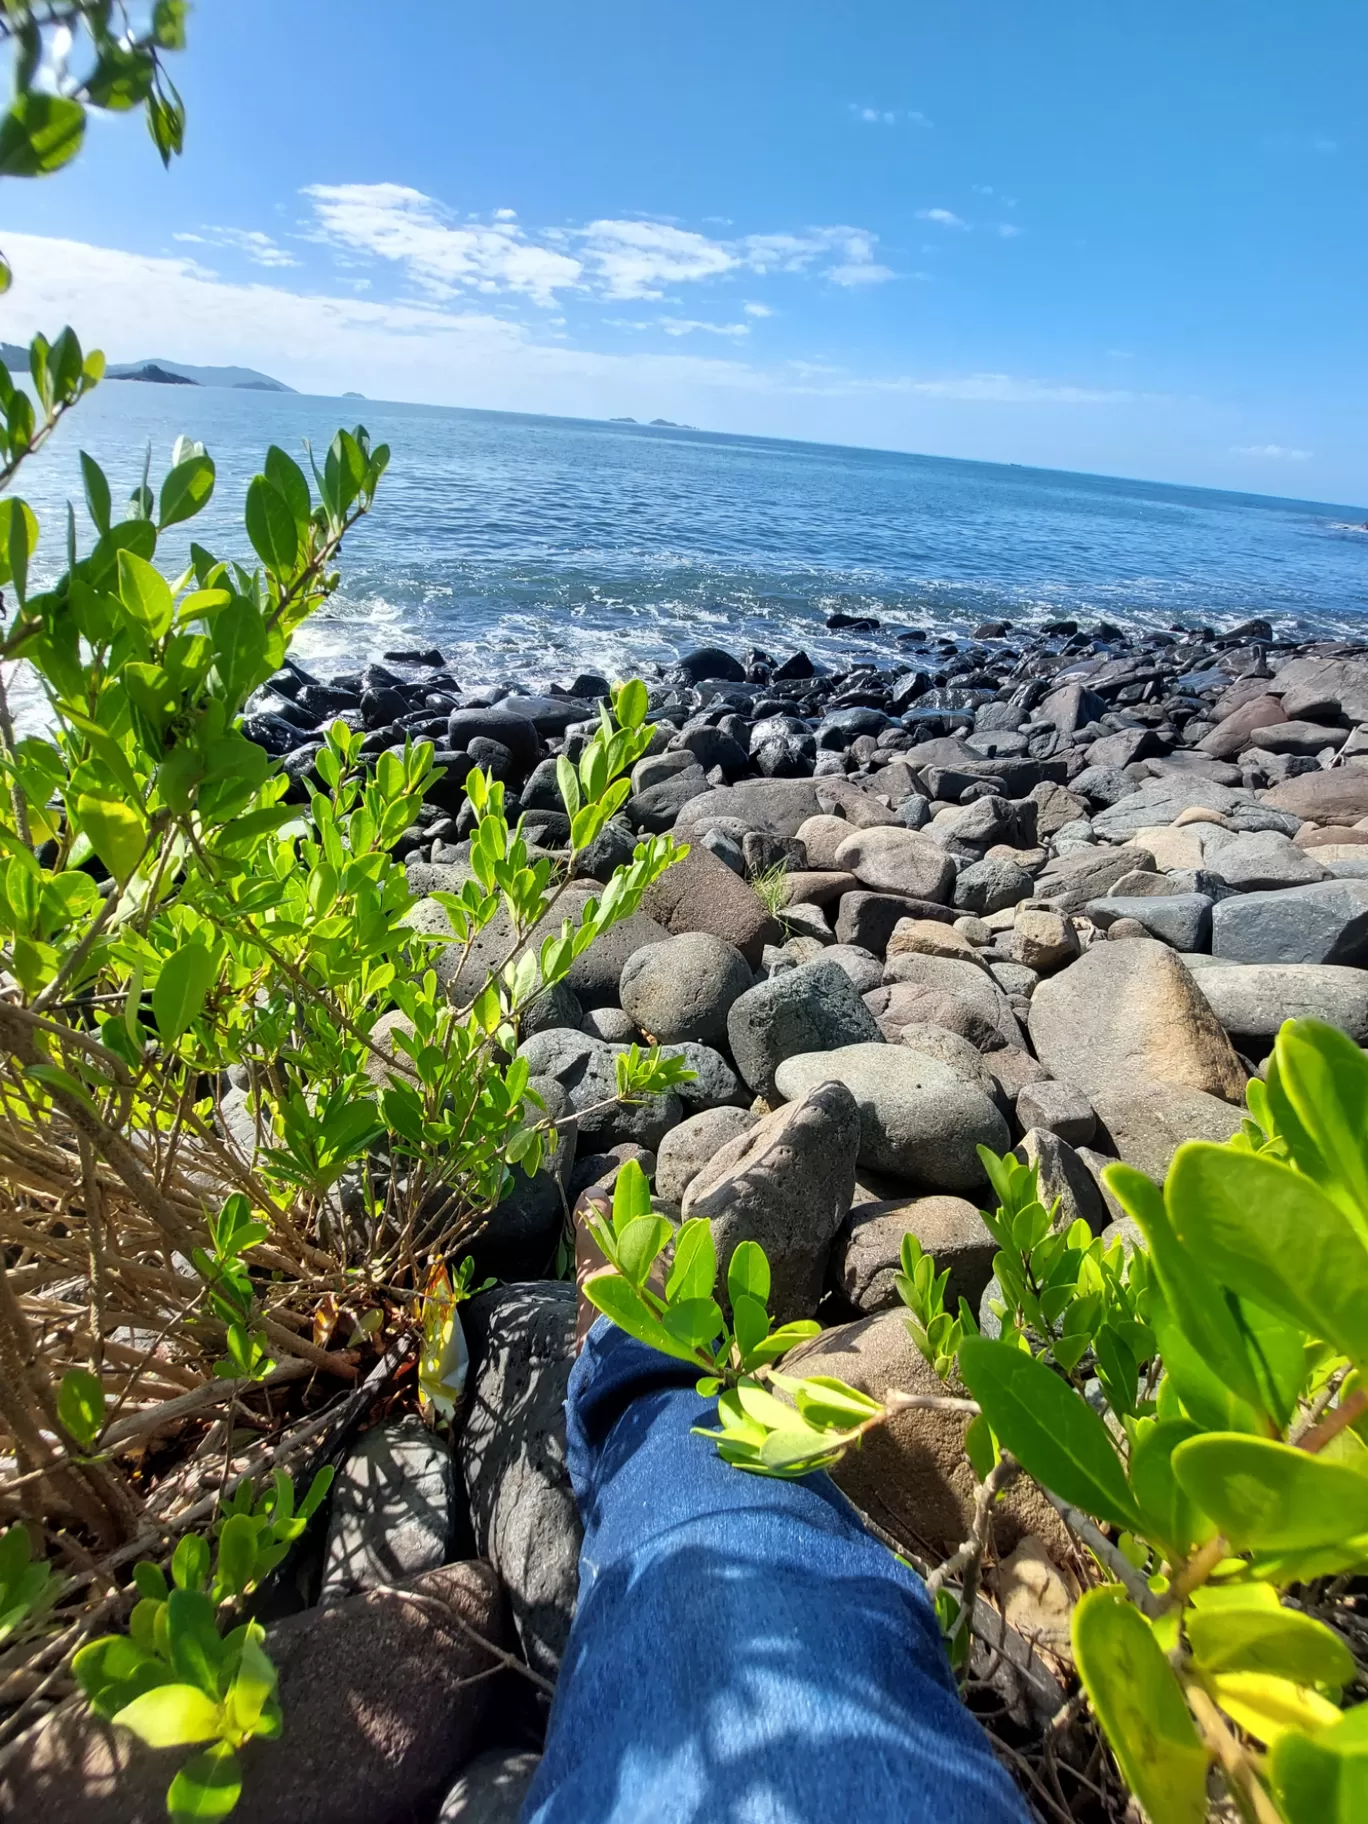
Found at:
(1196, 1411)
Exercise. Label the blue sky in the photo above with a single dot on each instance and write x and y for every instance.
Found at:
(1125, 238)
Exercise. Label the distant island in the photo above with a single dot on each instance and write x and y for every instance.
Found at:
(351, 395)
(178, 373)
(158, 376)
(663, 424)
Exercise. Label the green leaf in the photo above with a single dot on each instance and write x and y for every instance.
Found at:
(81, 1405)
(286, 475)
(171, 1716)
(1204, 1394)
(632, 704)
(1194, 1297)
(1323, 1779)
(145, 593)
(115, 830)
(190, 1563)
(185, 491)
(830, 1403)
(185, 980)
(639, 1243)
(1170, 1516)
(255, 1683)
(1271, 1235)
(631, 1196)
(1057, 1436)
(1318, 1095)
(694, 1271)
(271, 527)
(40, 133)
(696, 1321)
(1270, 1497)
(209, 1785)
(1273, 1640)
(620, 1301)
(1140, 1706)
(237, 1554)
(18, 537)
(239, 648)
(193, 1638)
(750, 1323)
(748, 1273)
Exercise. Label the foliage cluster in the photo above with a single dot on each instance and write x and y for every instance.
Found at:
(1196, 1410)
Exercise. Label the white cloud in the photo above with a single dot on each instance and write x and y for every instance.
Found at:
(259, 248)
(396, 223)
(1009, 231)
(609, 258)
(753, 308)
(1271, 452)
(888, 117)
(679, 326)
(943, 218)
(441, 354)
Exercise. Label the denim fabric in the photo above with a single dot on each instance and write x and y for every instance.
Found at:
(743, 1652)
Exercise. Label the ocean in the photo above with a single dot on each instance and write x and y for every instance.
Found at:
(530, 548)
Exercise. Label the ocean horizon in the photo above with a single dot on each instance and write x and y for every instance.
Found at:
(529, 546)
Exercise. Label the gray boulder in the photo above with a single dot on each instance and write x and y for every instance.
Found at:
(1128, 1011)
(869, 1253)
(919, 1121)
(1159, 801)
(1070, 881)
(965, 982)
(862, 966)
(787, 1184)
(1064, 1177)
(595, 975)
(777, 805)
(1323, 923)
(1060, 1108)
(867, 920)
(1262, 861)
(892, 859)
(1181, 920)
(700, 893)
(683, 988)
(1146, 1123)
(586, 1069)
(714, 1083)
(814, 1007)
(654, 810)
(1251, 1000)
(390, 1510)
(686, 1149)
(512, 1455)
(522, 1229)
(991, 885)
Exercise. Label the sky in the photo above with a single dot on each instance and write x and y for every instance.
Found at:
(1121, 238)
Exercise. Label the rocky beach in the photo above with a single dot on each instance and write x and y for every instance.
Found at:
(1055, 892)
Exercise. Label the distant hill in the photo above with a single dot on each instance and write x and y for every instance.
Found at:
(168, 373)
(244, 378)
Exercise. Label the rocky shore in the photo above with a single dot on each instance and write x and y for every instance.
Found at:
(1054, 891)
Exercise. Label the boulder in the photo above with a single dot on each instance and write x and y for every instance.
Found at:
(1236, 730)
(683, 988)
(512, 1456)
(385, 1698)
(586, 1070)
(515, 732)
(594, 976)
(1323, 923)
(1260, 861)
(813, 1008)
(952, 1049)
(1161, 800)
(1181, 920)
(655, 808)
(816, 887)
(911, 1474)
(897, 1006)
(1251, 1000)
(967, 982)
(1055, 806)
(868, 919)
(919, 1121)
(1128, 1011)
(714, 1083)
(869, 1253)
(1058, 1107)
(1146, 1123)
(520, 1237)
(991, 885)
(787, 1184)
(1070, 881)
(1043, 940)
(1064, 1178)
(686, 1149)
(862, 966)
(821, 836)
(700, 893)
(778, 805)
(1338, 796)
(1011, 1070)
(892, 859)
(390, 1513)
(1324, 686)
(929, 937)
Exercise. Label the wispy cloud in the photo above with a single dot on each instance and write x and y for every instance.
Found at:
(1005, 389)
(607, 258)
(943, 218)
(1010, 231)
(1271, 452)
(259, 248)
(753, 308)
(888, 117)
(680, 326)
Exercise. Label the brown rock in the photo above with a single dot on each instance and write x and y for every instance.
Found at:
(821, 836)
(817, 887)
(1319, 836)
(892, 859)
(911, 1475)
(869, 1251)
(1127, 1012)
(1043, 940)
(929, 937)
(1035, 1597)
(1147, 1122)
(700, 893)
(1339, 796)
(1236, 730)
(382, 1705)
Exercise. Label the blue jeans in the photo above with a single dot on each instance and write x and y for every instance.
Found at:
(744, 1652)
